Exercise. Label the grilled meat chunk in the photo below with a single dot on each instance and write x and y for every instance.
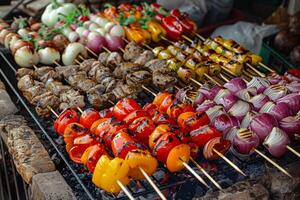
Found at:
(100, 101)
(71, 99)
(86, 84)
(45, 73)
(57, 87)
(138, 78)
(132, 51)
(164, 78)
(124, 90)
(126, 68)
(113, 60)
(103, 57)
(67, 71)
(43, 101)
(34, 91)
(145, 57)
(25, 82)
(86, 65)
(156, 64)
(24, 71)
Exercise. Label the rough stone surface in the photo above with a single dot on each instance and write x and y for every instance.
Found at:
(280, 185)
(7, 107)
(50, 186)
(246, 190)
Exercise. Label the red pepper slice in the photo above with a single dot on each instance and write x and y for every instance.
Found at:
(218, 144)
(176, 108)
(162, 118)
(203, 134)
(150, 108)
(142, 128)
(166, 103)
(194, 150)
(192, 120)
(106, 113)
(74, 130)
(164, 145)
(104, 126)
(66, 117)
(173, 27)
(123, 143)
(134, 115)
(88, 117)
(96, 152)
(109, 136)
(125, 107)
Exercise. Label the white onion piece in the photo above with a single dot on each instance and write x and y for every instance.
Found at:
(23, 32)
(108, 26)
(262, 125)
(66, 31)
(48, 55)
(220, 94)
(13, 42)
(246, 94)
(80, 30)
(71, 53)
(73, 36)
(259, 101)
(239, 109)
(215, 111)
(101, 21)
(93, 26)
(245, 145)
(117, 30)
(4, 33)
(276, 142)
(26, 57)
(275, 92)
(259, 83)
(10, 37)
(247, 119)
(101, 31)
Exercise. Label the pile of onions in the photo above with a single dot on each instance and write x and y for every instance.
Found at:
(262, 125)
(290, 125)
(235, 84)
(245, 145)
(276, 142)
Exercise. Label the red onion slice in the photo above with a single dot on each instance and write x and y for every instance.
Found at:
(293, 101)
(224, 122)
(280, 111)
(247, 119)
(290, 125)
(275, 92)
(245, 144)
(231, 133)
(227, 101)
(267, 107)
(239, 109)
(208, 92)
(215, 111)
(205, 106)
(276, 142)
(259, 83)
(220, 94)
(259, 101)
(293, 87)
(246, 94)
(274, 78)
(262, 125)
(235, 84)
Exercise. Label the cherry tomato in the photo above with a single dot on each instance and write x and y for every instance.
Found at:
(166, 103)
(66, 117)
(96, 152)
(160, 97)
(123, 143)
(176, 108)
(150, 108)
(164, 145)
(203, 134)
(134, 115)
(142, 128)
(192, 120)
(162, 118)
(88, 117)
(74, 130)
(125, 107)
(106, 113)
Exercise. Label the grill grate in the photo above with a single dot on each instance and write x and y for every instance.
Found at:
(181, 185)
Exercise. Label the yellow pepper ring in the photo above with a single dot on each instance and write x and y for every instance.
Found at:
(177, 156)
(140, 158)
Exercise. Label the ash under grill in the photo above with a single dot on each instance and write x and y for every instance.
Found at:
(179, 186)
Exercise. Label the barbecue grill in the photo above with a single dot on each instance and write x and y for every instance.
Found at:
(179, 186)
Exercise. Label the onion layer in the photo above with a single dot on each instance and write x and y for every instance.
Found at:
(262, 125)
(218, 144)
(224, 122)
(280, 111)
(293, 101)
(276, 142)
(247, 119)
(259, 101)
(245, 145)
(228, 101)
(259, 83)
(275, 92)
(235, 84)
(205, 106)
(239, 109)
(290, 125)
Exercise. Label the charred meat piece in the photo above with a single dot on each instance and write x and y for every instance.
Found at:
(86, 65)
(138, 78)
(124, 90)
(45, 73)
(164, 78)
(103, 57)
(67, 71)
(100, 101)
(126, 68)
(25, 82)
(73, 80)
(71, 99)
(102, 73)
(95, 66)
(145, 57)
(113, 60)
(86, 84)
(24, 71)
(156, 64)
(42, 102)
(57, 87)
(132, 51)
(34, 91)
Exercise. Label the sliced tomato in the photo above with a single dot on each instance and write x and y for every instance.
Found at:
(164, 145)
(66, 117)
(218, 144)
(134, 115)
(88, 117)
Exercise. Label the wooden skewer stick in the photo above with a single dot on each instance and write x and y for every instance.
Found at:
(206, 174)
(194, 173)
(55, 62)
(273, 163)
(53, 112)
(195, 81)
(255, 70)
(229, 162)
(91, 52)
(77, 62)
(79, 110)
(212, 79)
(266, 67)
(223, 77)
(152, 184)
(106, 49)
(82, 58)
(123, 51)
(293, 151)
(187, 38)
(125, 190)
(200, 36)
(165, 39)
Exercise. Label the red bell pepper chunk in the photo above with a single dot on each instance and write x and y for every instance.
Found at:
(125, 107)
(66, 117)
(203, 134)
(173, 27)
(88, 117)
(97, 151)
(134, 115)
